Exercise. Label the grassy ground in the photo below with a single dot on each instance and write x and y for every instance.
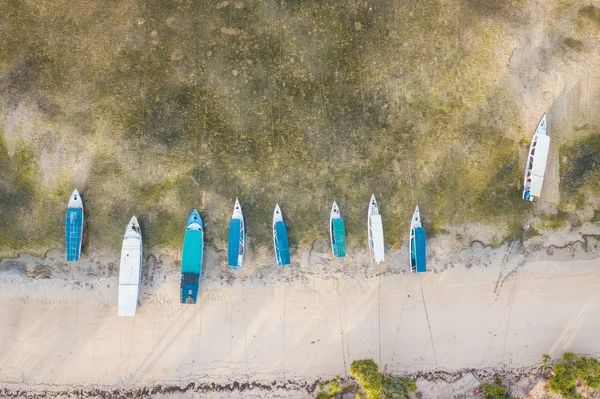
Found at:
(182, 104)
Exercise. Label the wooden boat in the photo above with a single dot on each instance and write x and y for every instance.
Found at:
(236, 238)
(376, 247)
(74, 227)
(191, 258)
(280, 239)
(536, 162)
(130, 272)
(337, 232)
(418, 251)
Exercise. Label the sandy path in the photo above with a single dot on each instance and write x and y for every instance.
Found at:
(267, 331)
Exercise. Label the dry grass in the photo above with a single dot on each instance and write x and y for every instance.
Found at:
(160, 107)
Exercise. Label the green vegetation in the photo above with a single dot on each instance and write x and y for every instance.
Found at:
(366, 372)
(333, 389)
(545, 359)
(591, 13)
(378, 385)
(573, 373)
(495, 390)
(579, 171)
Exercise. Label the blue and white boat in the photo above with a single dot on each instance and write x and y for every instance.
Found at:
(337, 232)
(74, 227)
(236, 243)
(191, 258)
(280, 239)
(536, 162)
(418, 250)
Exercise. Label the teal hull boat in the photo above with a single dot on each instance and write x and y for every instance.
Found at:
(337, 232)
(74, 227)
(236, 242)
(418, 249)
(191, 258)
(280, 239)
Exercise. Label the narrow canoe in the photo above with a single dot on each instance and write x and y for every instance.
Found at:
(337, 232)
(74, 227)
(418, 251)
(280, 239)
(236, 243)
(130, 272)
(376, 246)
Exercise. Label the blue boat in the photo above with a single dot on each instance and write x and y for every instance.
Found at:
(236, 243)
(191, 258)
(337, 232)
(74, 227)
(280, 239)
(418, 250)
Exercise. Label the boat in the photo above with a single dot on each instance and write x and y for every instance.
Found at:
(536, 162)
(376, 248)
(418, 251)
(337, 232)
(130, 272)
(191, 258)
(280, 239)
(236, 243)
(74, 227)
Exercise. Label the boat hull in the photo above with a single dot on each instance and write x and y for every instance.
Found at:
(236, 244)
(74, 227)
(130, 271)
(191, 259)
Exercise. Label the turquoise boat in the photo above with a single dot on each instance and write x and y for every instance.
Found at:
(236, 243)
(74, 227)
(280, 239)
(337, 232)
(191, 258)
(418, 250)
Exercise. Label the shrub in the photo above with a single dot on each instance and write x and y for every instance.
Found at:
(368, 376)
(573, 371)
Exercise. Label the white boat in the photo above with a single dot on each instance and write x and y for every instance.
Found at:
(376, 247)
(74, 227)
(537, 157)
(236, 243)
(417, 244)
(280, 239)
(337, 232)
(130, 272)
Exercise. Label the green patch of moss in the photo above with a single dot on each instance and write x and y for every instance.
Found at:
(591, 13)
(579, 168)
(555, 221)
(573, 44)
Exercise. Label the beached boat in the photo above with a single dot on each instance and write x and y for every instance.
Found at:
(130, 272)
(376, 248)
(417, 247)
(536, 162)
(337, 232)
(280, 239)
(236, 243)
(191, 258)
(74, 227)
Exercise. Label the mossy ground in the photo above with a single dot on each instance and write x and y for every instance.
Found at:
(183, 104)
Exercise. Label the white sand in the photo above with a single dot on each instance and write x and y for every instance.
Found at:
(301, 324)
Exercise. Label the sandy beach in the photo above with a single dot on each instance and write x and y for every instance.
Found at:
(478, 308)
